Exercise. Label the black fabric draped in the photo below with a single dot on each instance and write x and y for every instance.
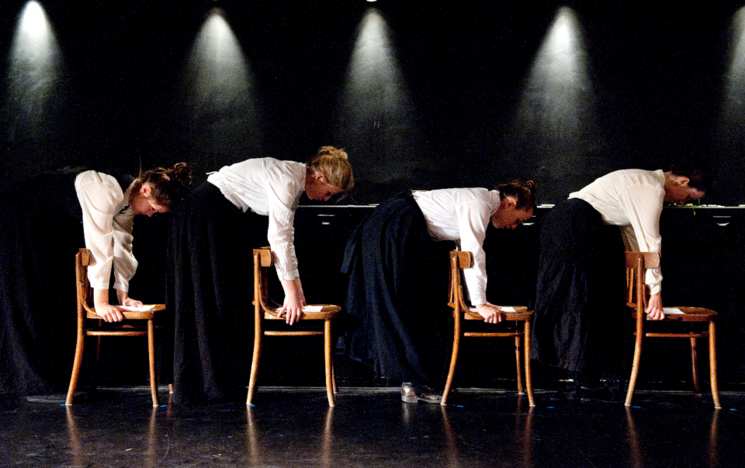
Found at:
(398, 294)
(579, 312)
(41, 232)
(210, 289)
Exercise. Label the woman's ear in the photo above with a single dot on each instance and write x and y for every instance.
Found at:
(146, 190)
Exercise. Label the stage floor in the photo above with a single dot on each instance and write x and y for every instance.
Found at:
(371, 427)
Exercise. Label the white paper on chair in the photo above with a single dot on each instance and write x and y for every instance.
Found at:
(313, 308)
(507, 309)
(142, 308)
(670, 311)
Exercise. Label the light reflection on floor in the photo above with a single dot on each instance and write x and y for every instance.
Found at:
(372, 427)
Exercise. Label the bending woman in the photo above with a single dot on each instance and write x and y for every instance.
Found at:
(579, 309)
(40, 236)
(394, 268)
(214, 233)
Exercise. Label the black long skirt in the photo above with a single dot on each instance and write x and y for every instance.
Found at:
(210, 289)
(398, 294)
(579, 312)
(40, 233)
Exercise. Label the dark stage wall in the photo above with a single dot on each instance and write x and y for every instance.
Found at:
(466, 94)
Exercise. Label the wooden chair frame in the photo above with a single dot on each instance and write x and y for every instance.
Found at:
(86, 312)
(636, 265)
(461, 312)
(266, 309)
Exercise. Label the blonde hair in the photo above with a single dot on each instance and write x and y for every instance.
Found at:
(333, 164)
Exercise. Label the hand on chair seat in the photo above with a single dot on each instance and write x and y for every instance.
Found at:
(490, 312)
(654, 307)
(294, 301)
(109, 313)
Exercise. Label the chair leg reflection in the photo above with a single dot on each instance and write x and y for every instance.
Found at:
(266, 453)
(634, 446)
(72, 431)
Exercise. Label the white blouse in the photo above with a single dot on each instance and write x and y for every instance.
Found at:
(462, 214)
(633, 200)
(107, 225)
(272, 188)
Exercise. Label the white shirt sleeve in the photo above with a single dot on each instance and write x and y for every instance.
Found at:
(108, 233)
(125, 263)
(473, 220)
(643, 206)
(283, 196)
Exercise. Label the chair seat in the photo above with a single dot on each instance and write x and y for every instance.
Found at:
(327, 312)
(690, 314)
(129, 315)
(521, 314)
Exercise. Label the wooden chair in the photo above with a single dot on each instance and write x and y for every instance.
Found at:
(132, 325)
(266, 309)
(636, 265)
(508, 328)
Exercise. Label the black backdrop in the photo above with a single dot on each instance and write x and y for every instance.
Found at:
(657, 75)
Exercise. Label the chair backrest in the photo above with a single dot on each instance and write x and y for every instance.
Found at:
(84, 292)
(262, 261)
(458, 260)
(637, 264)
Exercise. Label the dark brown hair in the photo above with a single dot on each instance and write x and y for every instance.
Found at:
(522, 192)
(699, 175)
(169, 185)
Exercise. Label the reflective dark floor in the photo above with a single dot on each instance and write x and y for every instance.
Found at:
(293, 427)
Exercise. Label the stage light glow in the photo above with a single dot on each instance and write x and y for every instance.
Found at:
(218, 71)
(34, 76)
(219, 97)
(34, 21)
(558, 88)
(555, 113)
(730, 141)
(733, 110)
(377, 112)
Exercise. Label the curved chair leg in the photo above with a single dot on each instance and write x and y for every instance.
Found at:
(333, 369)
(713, 365)
(254, 366)
(518, 359)
(333, 373)
(328, 358)
(75, 369)
(151, 356)
(528, 372)
(635, 367)
(98, 344)
(694, 366)
(453, 362)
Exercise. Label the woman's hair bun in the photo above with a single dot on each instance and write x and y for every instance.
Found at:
(332, 151)
(181, 172)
